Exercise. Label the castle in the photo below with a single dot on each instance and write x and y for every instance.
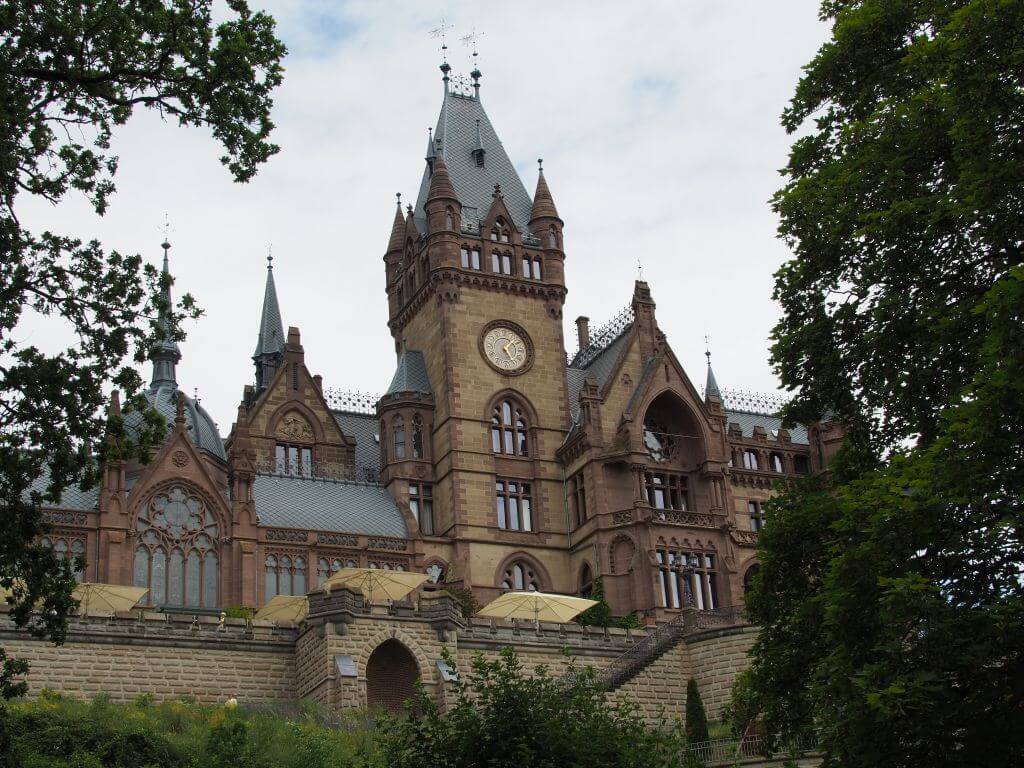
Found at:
(493, 461)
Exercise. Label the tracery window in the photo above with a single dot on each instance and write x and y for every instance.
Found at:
(421, 504)
(665, 490)
(685, 577)
(521, 578)
(514, 506)
(661, 444)
(176, 557)
(775, 461)
(327, 567)
(64, 549)
(508, 429)
(417, 436)
(285, 575)
(398, 436)
(750, 460)
(294, 460)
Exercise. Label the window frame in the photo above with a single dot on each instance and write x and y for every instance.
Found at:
(421, 504)
(513, 502)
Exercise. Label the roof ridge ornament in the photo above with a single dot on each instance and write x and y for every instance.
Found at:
(440, 31)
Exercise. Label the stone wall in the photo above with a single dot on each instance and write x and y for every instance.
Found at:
(170, 656)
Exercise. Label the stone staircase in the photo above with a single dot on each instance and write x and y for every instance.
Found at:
(665, 637)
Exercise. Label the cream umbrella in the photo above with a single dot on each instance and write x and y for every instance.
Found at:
(101, 599)
(539, 606)
(376, 584)
(291, 608)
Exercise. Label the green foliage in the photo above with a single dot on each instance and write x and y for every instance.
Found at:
(464, 597)
(239, 612)
(742, 708)
(70, 73)
(696, 717)
(600, 615)
(53, 732)
(499, 716)
(890, 595)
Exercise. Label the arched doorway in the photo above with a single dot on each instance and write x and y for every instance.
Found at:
(391, 674)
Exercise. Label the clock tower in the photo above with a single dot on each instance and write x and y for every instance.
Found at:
(475, 285)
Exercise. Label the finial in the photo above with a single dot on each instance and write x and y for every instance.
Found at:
(639, 270)
(707, 350)
(540, 165)
(270, 256)
(471, 39)
(408, 209)
(440, 32)
(195, 395)
(166, 229)
(497, 191)
(398, 198)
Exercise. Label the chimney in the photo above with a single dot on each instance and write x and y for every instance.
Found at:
(583, 331)
(318, 380)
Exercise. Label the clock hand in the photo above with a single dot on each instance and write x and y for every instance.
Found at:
(507, 353)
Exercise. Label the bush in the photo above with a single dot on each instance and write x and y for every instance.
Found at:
(696, 717)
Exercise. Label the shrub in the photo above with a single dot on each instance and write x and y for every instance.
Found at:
(696, 717)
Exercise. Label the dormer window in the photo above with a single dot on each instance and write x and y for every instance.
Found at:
(294, 460)
(478, 157)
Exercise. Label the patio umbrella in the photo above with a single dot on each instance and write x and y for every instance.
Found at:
(539, 606)
(103, 599)
(291, 608)
(376, 584)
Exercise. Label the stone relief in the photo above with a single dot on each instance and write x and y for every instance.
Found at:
(294, 427)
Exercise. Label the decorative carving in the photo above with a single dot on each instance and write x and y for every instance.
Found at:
(179, 459)
(744, 538)
(395, 545)
(337, 539)
(65, 518)
(622, 517)
(435, 573)
(275, 534)
(295, 427)
(679, 517)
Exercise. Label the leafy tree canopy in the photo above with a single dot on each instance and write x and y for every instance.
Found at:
(70, 73)
(891, 596)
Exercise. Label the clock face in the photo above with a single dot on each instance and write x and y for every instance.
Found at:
(505, 348)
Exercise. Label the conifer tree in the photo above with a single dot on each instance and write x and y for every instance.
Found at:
(696, 717)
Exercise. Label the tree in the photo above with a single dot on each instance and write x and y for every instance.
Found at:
(500, 716)
(890, 592)
(71, 72)
(696, 717)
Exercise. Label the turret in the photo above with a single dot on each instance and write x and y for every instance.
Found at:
(442, 205)
(270, 343)
(544, 220)
(164, 352)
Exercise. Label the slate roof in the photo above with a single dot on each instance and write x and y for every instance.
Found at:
(202, 429)
(747, 422)
(474, 185)
(600, 366)
(363, 428)
(72, 498)
(271, 338)
(337, 506)
(411, 374)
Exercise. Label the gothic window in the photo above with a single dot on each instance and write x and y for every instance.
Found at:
(660, 443)
(586, 581)
(750, 460)
(421, 503)
(514, 507)
(470, 257)
(327, 567)
(176, 556)
(757, 518)
(775, 461)
(520, 578)
(552, 238)
(508, 429)
(417, 436)
(578, 495)
(801, 465)
(286, 575)
(501, 263)
(449, 220)
(398, 436)
(64, 549)
(500, 232)
(687, 578)
(294, 460)
(666, 491)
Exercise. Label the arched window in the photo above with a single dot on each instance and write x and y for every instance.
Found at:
(508, 429)
(586, 581)
(750, 459)
(748, 577)
(775, 460)
(552, 238)
(417, 436)
(519, 577)
(65, 551)
(176, 556)
(398, 436)
(449, 219)
(285, 575)
(800, 465)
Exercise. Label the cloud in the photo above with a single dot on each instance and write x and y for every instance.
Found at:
(657, 122)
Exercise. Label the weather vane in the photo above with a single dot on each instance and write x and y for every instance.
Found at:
(707, 348)
(471, 39)
(639, 270)
(166, 229)
(439, 32)
(270, 255)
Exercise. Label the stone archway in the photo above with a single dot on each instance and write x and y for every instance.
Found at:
(391, 674)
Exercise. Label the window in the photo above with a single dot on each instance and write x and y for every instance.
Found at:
(294, 460)
(417, 436)
(750, 460)
(501, 263)
(470, 258)
(531, 268)
(514, 509)
(552, 238)
(748, 578)
(687, 578)
(757, 518)
(398, 436)
(586, 581)
(64, 550)
(328, 566)
(449, 220)
(176, 556)
(520, 577)
(508, 429)
(500, 232)
(421, 503)
(666, 491)
(801, 465)
(775, 462)
(578, 494)
(286, 575)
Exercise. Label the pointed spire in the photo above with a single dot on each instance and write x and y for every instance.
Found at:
(164, 352)
(441, 183)
(270, 343)
(397, 227)
(711, 388)
(431, 149)
(543, 203)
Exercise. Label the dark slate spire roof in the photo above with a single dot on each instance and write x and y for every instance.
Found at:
(411, 374)
(164, 352)
(456, 134)
(271, 339)
(711, 388)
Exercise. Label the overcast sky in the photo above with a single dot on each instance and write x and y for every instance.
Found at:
(659, 127)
